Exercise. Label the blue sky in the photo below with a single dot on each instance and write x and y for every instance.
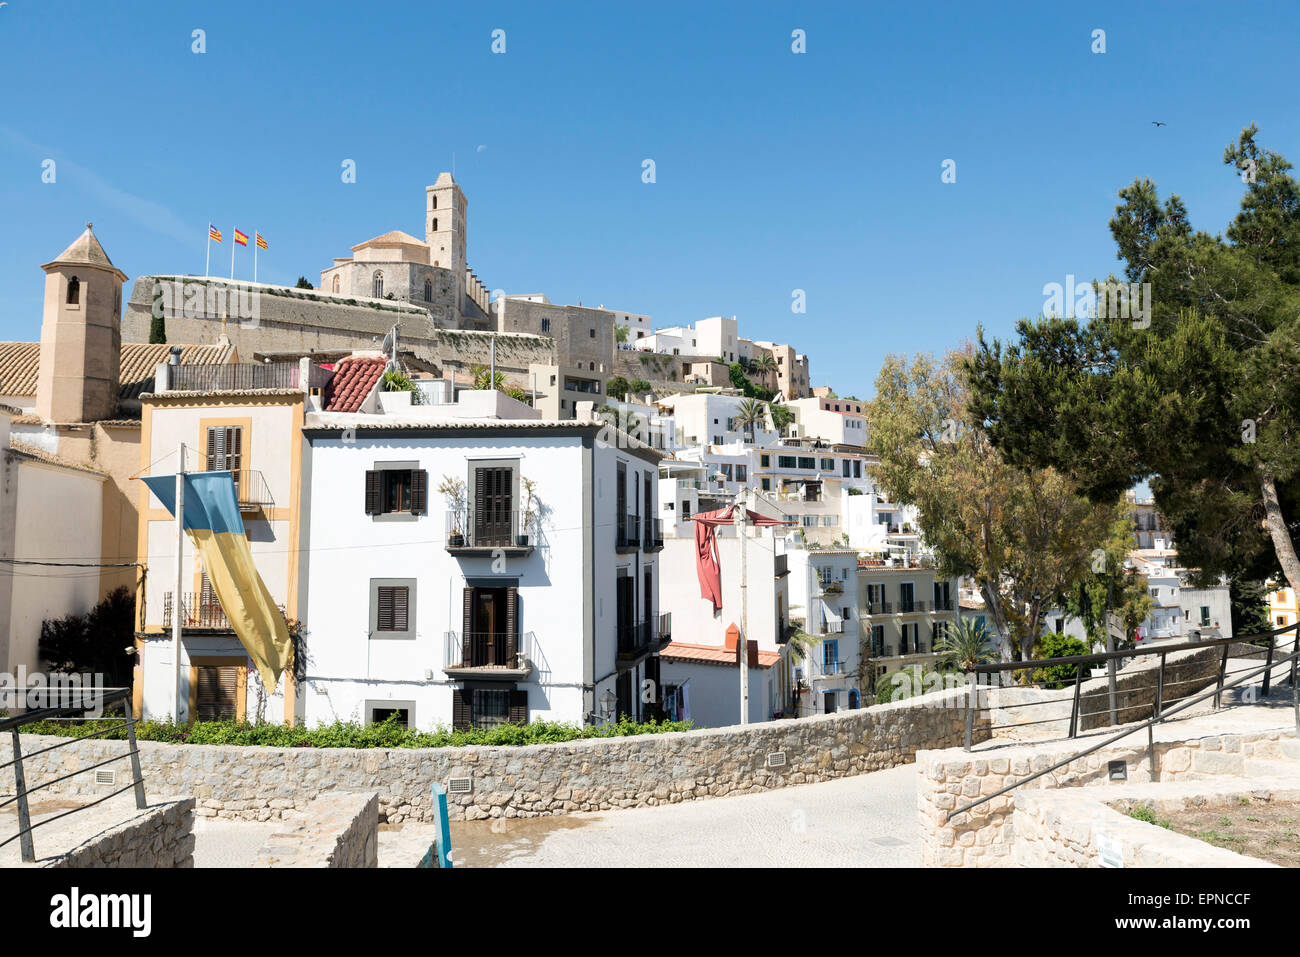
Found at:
(775, 171)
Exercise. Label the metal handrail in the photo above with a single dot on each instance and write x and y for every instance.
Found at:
(1163, 715)
(12, 724)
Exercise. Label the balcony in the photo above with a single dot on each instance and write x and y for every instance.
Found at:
(488, 531)
(251, 491)
(833, 627)
(481, 654)
(913, 607)
(653, 540)
(827, 669)
(644, 637)
(878, 608)
(233, 376)
(830, 587)
(943, 604)
(628, 533)
(198, 612)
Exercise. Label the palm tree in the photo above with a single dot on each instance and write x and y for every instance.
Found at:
(749, 415)
(764, 364)
(484, 379)
(965, 644)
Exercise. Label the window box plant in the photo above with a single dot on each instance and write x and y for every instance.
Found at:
(453, 490)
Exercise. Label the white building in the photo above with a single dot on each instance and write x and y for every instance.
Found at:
(536, 597)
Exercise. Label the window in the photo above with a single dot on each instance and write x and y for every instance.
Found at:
(428, 290)
(786, 462)
(397, 489)
(592, 333)
(435, 225)
(1205, 614)
(74, 291)
(845, 463)
(336, 283)
(546, 327)
(831, 656)
(225, 451)
(377, 285)
(717, 440)
(378, 715)
(488, 706)
(435, 204)
(807, 462)
(765, 461)
(742, 473)
(392, 608)
(217, 693)
(828, 465)
(857, 468)
(767, 485)
(878, 640)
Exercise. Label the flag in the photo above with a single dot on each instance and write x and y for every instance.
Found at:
(261, 243)
(214, 526)
(708, 567)
(241, 238)
(213, 233)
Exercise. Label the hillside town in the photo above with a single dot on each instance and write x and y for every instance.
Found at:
(740, 491)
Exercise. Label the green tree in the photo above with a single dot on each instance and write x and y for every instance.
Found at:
(616, 388)
(304, 283)
(1249, 603)
(750, 414)
(1110, 585)
(638, 387)
(1053, 645)
(964, 645)
(782, 416)
(158, 330)
(1202, 398)
(98, 642)
(620, 333)
(1025, 537)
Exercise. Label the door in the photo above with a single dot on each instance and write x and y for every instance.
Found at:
(491, 629)
(828, 702)
(493, 497)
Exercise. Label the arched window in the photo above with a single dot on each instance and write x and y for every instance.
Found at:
(435, 225)
(74, 291)
(377, 288)
(435, 202)
(336, 282)
(428, 289)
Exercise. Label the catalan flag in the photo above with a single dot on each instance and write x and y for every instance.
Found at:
(240, 238)
(261, 243)
(214, 525)
(214, 234)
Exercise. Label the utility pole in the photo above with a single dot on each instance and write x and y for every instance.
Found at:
(741, 517)
(178, 603)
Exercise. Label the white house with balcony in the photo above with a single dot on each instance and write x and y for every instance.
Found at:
(477, 564)
(824, 584)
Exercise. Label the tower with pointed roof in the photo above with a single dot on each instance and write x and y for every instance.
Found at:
(81, 334)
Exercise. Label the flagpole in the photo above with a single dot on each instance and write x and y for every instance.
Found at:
(233, 244)
(207, 261)
(178, 601)
(255, 235)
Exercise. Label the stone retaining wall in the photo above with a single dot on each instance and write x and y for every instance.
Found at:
(984, 836)
(162, 835)
(595, 774)
(1068, 828)
(336, 830)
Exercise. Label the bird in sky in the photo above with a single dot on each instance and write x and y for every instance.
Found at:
(1157, 123)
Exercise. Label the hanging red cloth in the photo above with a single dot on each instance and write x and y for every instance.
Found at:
(707, 565)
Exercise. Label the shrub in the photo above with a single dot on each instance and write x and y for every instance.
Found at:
(1059, 646)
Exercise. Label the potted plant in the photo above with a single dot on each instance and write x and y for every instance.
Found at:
(453, 490)
(529, 515)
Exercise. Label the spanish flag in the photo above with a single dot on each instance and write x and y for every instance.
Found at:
(261, 243)
(213, 233)
(213, 522)
(241, 238)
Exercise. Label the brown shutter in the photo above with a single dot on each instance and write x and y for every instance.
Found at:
(215, 440)
(419, 495)
(467, 623)
(218, 692)
(512, 623)
(519, 706)
(460, 716)
(401, 602)
(384, 609)
(372, 492)
(235, 449)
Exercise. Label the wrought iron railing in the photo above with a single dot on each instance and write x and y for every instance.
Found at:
(489, 528)
(489, 649)
(75, 705)
(197, 611)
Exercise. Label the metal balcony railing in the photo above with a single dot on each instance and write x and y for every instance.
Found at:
(913, 606)
(490, 649)
(251, 490)
(633, 639)
(654, 534)
(878, 608)
(828, 669)
(489, 528)
(666, 626)
(197, 611)
(629, 531)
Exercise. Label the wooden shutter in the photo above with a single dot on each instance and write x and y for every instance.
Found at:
(460, 716)
(393, 602)
(218, 692)
(216, 449)
(467, 626)
(519, 706)
(373, 488)
(512, 624)
(419, 494)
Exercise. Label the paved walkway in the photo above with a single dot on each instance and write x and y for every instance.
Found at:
(863, 821)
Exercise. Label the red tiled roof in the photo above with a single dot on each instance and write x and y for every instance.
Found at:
(714, 654)
(353, 379)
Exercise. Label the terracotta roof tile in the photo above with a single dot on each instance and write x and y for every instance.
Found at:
(352, 381)
(20, 364)
(713, 654)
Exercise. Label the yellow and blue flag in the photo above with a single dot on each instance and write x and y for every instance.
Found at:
(217, 530)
